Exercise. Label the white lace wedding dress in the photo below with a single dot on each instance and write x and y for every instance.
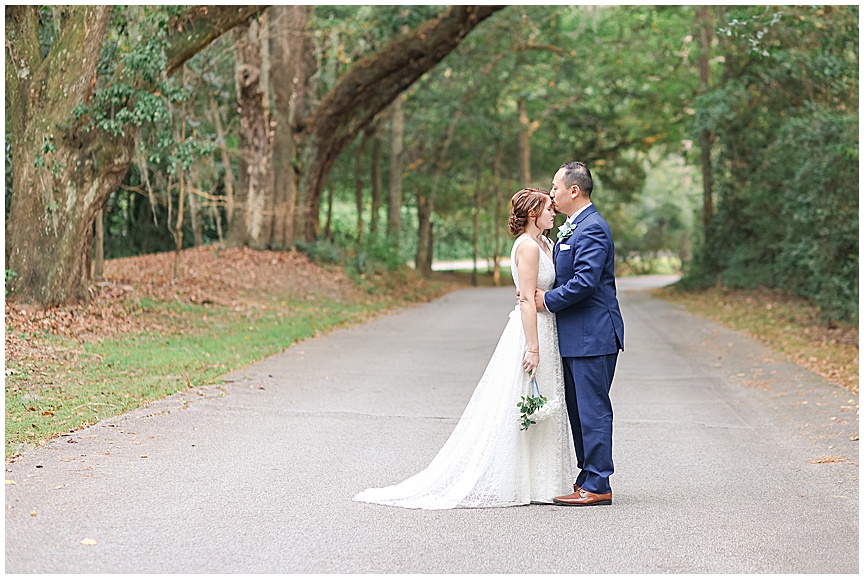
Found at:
(488, 461)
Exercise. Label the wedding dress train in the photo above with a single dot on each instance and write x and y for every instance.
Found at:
(488, 461)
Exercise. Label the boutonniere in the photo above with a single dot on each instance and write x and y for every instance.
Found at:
(566, 230)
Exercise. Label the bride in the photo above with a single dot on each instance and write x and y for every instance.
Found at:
(488, 461)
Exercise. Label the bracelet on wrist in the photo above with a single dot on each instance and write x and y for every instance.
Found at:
(534, 351)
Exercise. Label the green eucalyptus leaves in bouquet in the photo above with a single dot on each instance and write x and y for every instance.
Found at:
(530, 404)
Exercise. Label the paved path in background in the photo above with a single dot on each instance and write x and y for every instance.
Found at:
(714, 441)
(482, 264)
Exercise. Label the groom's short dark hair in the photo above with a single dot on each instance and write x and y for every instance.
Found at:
(577, 173)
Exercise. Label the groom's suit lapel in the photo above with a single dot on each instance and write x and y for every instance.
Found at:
(557, 249)
(576, 224)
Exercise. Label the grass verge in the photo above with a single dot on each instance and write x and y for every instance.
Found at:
(787, 324)
(64, 382)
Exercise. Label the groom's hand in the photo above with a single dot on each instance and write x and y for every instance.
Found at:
(538, 300)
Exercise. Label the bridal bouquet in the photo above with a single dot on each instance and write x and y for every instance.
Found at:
(529, 405)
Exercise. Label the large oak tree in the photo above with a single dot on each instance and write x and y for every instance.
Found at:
(62, 173)
(65, 170)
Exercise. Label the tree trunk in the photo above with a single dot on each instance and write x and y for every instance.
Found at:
(328, 231)
(195, 210)
(60, 180)
(358, 184)
(264, 49)
(426, 203)
(99, 243)
(63, 175)
(367, 89)
(424, 226)
(524, 143)
(430, 244)
(252, 221)
(498, 218)
(178, 227)
(217, 222)
(288, 52)
(303, 113)
(193, 187)
(216, 119)
(527, 128)
(704, 24)
(394, 190)
(475, 239)
(377, 183)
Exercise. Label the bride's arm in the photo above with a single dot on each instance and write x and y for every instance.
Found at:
(528, 264)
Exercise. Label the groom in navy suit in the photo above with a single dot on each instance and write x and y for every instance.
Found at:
(590, 329)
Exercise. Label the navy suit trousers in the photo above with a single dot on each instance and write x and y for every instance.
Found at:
(587, 381)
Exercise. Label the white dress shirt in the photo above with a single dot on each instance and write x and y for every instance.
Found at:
(572, 218)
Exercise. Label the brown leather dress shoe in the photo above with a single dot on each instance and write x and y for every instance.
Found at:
(583, 498)
(576, 488)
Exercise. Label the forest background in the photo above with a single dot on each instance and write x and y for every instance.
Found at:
(723, 139)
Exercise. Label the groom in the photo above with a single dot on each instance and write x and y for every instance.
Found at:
(590, 329)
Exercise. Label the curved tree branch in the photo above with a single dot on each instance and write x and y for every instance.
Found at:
(376, 80)
(190, 32)
(369, 87)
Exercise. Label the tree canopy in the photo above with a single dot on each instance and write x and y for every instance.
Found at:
(722, 137)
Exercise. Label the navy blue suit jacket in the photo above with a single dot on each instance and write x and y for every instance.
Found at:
(584, 297)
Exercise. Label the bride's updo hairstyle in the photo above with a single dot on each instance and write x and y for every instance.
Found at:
(525, 201)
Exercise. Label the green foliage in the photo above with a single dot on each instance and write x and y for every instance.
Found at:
(615, 86)
(818, 253)
(376, 255)
(136, 91)
(588, 101)
(528, 406)
(9, 173)
(658, 225)
(322, 251)
(365, 262)
(10, 276)
(784, 116)
(133, 68)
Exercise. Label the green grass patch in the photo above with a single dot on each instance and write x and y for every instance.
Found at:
(87, 382)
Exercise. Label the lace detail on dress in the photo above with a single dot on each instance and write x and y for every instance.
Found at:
(488, 461)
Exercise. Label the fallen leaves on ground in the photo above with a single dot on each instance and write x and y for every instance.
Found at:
(46, 348)
(826, 459)
(786, 323)
(235, 277)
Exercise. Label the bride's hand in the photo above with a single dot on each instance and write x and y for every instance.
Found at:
(530, 362)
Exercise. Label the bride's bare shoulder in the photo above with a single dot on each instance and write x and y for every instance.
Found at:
(527, 253)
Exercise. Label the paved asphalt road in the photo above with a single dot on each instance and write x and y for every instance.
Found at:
(715, 438)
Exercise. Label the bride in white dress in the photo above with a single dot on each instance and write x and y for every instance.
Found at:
(488, 461)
